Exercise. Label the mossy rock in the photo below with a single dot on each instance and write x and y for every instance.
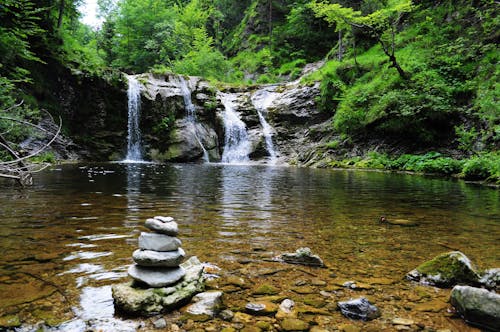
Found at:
(446, 270)
(266, 289)
(9, 321)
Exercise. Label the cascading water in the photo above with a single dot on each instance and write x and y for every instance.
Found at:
(236, 143)
(191, 114)
(134, 112)
(262, 99)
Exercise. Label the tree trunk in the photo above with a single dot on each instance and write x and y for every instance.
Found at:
(61, 13)
(340, 54)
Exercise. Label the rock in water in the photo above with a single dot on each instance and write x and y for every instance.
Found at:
(158, 258)
(206, 305)
(158, 242)
(478, 306)
(359, 308)
(136, 301)
(491, 279)
(302, 256)
(157, 276)
(445, 270)
(163, 227)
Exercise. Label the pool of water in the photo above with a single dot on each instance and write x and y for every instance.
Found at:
(65, 240)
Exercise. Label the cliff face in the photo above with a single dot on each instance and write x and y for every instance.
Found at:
(281, 122)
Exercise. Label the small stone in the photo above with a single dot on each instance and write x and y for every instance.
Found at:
(302, 256)
(402, 321)
(359, 308)
(294, 324)
(158, 242)
(261, 308)
(206, 303)
(240, 317)
(160, 323)
(226, 315)
(304, 290)
(491, 279)
(156, 277)
(234, 280)
(158, 258)
(251, 328)
(158, 226)
(228, 329)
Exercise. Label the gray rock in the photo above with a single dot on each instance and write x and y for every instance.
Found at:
(158, 242)
(150, 301)
(160, 323)
(159, 226)
(302, 256)
(359, 308)
(491, 279)
(156, 276)
(445, 270)
(477, 306)
(205, 304)
(226, 315)
(164, 219)
(158, 258)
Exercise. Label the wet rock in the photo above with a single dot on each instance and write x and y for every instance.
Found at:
(226, 315)
(157, 276)
(158, 258)
(402, 321)
(431, 306)
(206, 304)
(9, 321)
(135, 300)
(158, 242)
(294, 324)
(349, 328)
(359, 308)
(162, 225)
(302, 256)
(286, 309)
(240, 317)
(445, 270)
(261, 308)
(266, 289)
(477, 306)
(398, 222)
(491, 279)
(160, 323)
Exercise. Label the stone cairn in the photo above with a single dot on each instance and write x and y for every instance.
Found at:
(159, 255)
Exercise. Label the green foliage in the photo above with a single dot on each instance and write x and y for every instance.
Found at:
(165, 126)
(486, 166)
(45, 157)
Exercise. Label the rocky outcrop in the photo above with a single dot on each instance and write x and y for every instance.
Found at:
(446, 270)
(477, 306)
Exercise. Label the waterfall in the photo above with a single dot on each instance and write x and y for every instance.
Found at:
(236, 143)
(261, 100)
(191, 114)
(134, 113)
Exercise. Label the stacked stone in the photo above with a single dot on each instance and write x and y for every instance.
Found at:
(159, 254)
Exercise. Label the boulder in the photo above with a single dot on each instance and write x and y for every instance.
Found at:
(302, 256)
(134, 300)
(158, 258)
(477, 306)
(163, 227)
(157, 276)
(359, 308)
(445, 270)
(158, 242)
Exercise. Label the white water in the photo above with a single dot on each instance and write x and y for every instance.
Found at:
(236, 143)
(262, 99)
(134, 112)
(191, 114)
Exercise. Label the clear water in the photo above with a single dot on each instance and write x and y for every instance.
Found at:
(69, 237)
(134, 115)
(236, 142)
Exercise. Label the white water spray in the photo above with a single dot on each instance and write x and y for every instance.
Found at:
(191, 114)
(262, 99)
(134, 114)
(236, 143)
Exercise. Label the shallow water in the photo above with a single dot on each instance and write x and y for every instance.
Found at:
(71, 235)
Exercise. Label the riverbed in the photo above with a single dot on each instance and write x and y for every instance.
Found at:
(70, 236)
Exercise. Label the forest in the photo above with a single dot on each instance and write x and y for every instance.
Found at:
(420, 75)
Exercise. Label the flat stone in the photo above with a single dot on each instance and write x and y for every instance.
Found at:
(167, 228)
(294, 324)
(158, 258)
(164, 219)
(156, 276)
(301, 256)
(205, 304)
(261, 308)
(150, 301)
(158, 242)
(402, 321)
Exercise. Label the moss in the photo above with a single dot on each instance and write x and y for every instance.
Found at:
(266, 289)
(10, 321)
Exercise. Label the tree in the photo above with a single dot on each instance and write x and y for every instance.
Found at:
(380, 24)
